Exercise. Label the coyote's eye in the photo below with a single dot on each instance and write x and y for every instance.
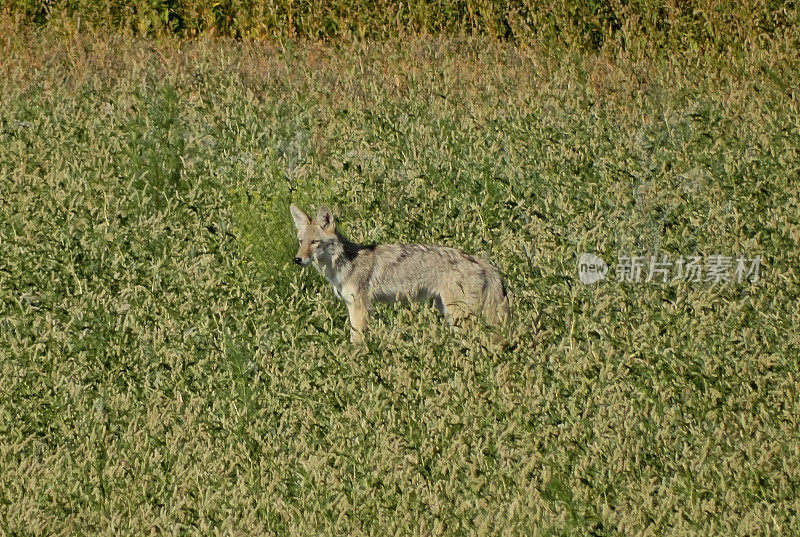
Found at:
(315, 241)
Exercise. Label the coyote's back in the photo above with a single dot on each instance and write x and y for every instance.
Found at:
(460, 284)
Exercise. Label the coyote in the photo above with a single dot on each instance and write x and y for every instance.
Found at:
(459, 283)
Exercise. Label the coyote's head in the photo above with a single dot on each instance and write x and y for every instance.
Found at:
(314, 235)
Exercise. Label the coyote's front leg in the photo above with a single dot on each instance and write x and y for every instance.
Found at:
(358, 311)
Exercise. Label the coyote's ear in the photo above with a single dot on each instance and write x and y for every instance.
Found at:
(301, 219)
(325, 219)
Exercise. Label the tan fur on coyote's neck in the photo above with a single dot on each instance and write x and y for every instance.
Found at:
(335, 260)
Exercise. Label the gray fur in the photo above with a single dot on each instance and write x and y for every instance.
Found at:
(459, 283)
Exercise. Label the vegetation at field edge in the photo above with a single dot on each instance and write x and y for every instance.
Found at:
(582, 24)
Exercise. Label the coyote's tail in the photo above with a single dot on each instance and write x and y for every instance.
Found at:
(495, 301)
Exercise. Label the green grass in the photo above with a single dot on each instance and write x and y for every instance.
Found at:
(166, 368)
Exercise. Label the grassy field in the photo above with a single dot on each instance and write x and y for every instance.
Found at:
(166, 369)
